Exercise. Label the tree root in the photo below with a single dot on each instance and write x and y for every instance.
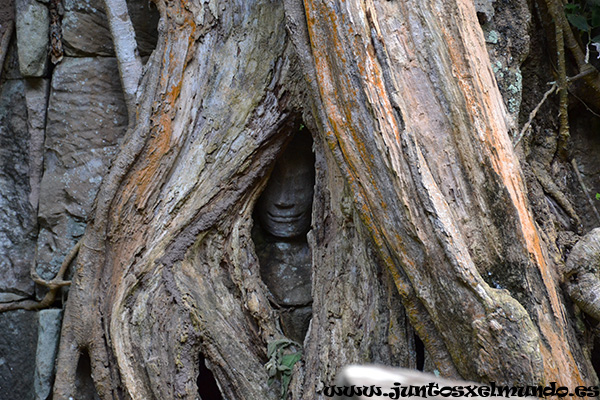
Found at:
(552, 189)
(67, 358)
(585, 190)
(129, 60)
(581, 274)
(54, 285)
(57, 281)
(563, 133)
(534, 112)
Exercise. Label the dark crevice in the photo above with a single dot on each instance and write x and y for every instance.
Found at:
(482, 18)
(84, 384)
(208, 389)
(595, 353)
(420, 353)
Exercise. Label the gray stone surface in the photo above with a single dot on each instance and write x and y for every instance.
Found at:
(485, 9)
(17, 219)
(284, 207)
(18, 339)
(10, 69)
(36, 97)
(286, 269)
(86, 118)
(7, 297)
(86, 31)
(33, 28)
(47, 346)
(295, 322)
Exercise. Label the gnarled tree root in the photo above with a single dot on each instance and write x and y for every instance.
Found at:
(54, 285)
(582, 277)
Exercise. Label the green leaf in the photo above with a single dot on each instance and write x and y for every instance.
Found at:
(290, 359)
(597, 196)
(271, 348)
(285, 383)
(284, 369)
(280, 365)
(579, 22)
(277, 345)
(572, 8)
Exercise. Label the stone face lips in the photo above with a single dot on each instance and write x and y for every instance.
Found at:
(33, 29)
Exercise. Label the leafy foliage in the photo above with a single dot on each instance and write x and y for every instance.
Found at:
(282, 358)
(585, 16)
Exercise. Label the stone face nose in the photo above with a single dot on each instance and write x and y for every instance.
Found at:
(283, 192)
(285, 203)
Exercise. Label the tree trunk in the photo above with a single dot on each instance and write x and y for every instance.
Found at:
(420, 218)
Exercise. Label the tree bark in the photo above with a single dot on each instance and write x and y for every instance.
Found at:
(419, 200)
(444, 198)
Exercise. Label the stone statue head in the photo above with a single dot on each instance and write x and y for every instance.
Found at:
(284, 208)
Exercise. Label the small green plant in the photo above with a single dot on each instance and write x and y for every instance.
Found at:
(585, 16)
(282, 357)
(597, 196)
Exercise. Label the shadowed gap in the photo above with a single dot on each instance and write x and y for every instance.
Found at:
(595, 356)
(207, 385)
(84, 384)
(420, 352)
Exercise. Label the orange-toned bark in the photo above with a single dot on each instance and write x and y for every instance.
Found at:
(418, 136)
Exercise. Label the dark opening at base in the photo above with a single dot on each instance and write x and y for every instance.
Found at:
(420, 350)
(84, 384)
(596, 356)
(207, 385)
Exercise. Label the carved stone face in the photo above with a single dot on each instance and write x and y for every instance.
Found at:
(285, 206)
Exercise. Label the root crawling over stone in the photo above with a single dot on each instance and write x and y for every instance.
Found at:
(582, 276)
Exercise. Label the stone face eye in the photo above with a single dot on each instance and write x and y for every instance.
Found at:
(284, 208)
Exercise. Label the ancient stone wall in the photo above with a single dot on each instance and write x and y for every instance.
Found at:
(60, 126)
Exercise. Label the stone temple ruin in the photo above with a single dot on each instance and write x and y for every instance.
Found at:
(283, 216)
(60, 125)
